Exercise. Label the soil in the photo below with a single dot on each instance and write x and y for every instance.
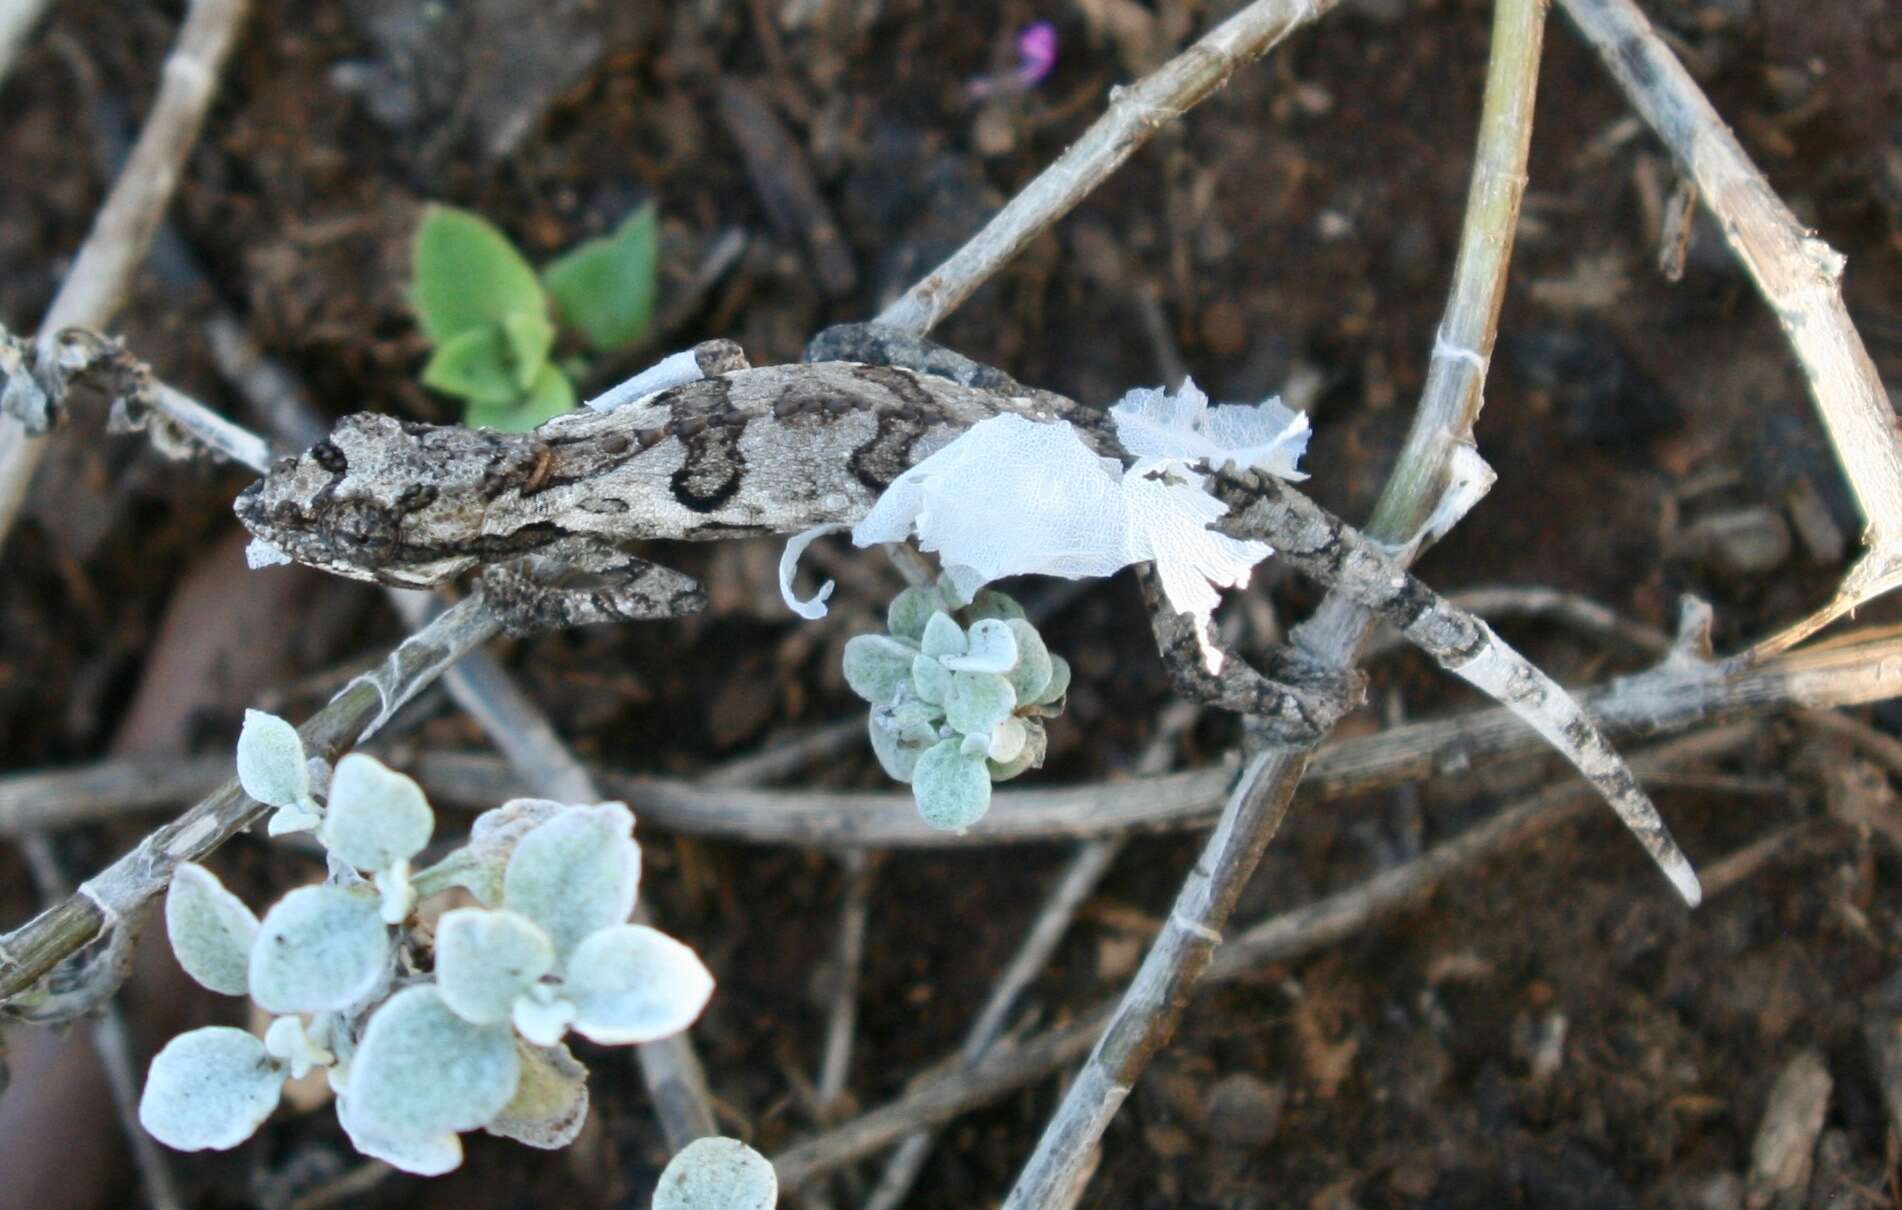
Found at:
(1552, 1031)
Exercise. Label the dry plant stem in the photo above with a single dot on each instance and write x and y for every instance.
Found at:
(122, 231)
(33, 949)
(1579, 613)
(1856, 669)
(1279, 938)
(1086, 868)
(849, 958)
(1156, 998)
(113, 1043)
(1799, 276)
(1135, 113)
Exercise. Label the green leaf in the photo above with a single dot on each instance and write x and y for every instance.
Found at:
(271, 761)
(321, 948)
(576, 874)
(978, 701)
(632, 983)
(876, 665)
(930, 679)
(422, 1072)
(1052, 694)
(717, 1174)
(1034, 668)
(953, 790)
(468, 276)
(209, 1089)
(1036, 743)
(529, 336)
(376, 816)
(484, 960)
(553, 395)
(211, 930)
(943, 636)
(604, 288)
(900, 735)
(910, 610)
(476, 365)
(993, 604)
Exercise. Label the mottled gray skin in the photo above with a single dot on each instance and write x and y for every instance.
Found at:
(773, 450)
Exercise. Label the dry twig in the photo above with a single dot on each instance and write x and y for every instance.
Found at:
(1135, 114)
(122, 231)
(1799, 276)
(1442, 428)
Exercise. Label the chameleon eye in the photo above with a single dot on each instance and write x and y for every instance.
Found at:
(362, 526)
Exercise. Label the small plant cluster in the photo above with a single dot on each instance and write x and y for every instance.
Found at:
(424, 1033)
(959, 692)
(492, 320)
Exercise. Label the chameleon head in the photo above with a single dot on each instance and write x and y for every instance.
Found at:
(384, 500)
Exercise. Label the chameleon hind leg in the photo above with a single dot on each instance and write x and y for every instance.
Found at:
(578, 582)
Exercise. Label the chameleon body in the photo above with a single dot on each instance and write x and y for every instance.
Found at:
(769, 450)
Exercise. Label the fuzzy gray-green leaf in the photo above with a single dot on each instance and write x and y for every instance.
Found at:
(876, 665)
(977, 702)
(953, 790)
(211, 930)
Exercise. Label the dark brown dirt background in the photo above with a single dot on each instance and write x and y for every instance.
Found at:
(1299, 226)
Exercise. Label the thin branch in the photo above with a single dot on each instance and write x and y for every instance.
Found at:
(122, 231)
(1858, 669)
(1279, 938)
(36, 947)
(1134, 115)
(1798, 275)
(1086, 868)
(112, 1041)
(1579, 613)
(848, 961)
(1442, 428)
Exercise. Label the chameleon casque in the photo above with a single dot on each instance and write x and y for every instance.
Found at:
(546, 517)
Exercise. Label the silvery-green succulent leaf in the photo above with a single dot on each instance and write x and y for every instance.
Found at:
(1007, 741)
(291, 1044)
(1059, 685)
(635, 984)
(994, 604)
(953, 790)
(875, 665)
(978, 701)
(479, 865)
(976, 745)
(209, 1089)
(376, 817)
(1031, 674)
(320, 948)
(942, 637)
(1036, 743)
(717, 1174)
(930, 679)
(575, 874)
(989, 647)
(906, 616)
(429, 1155)
(899, 738)
(421, 1071)
(485, 959)
(211, 930)
(286, 820)
(954, 585)
(542, 1016)
(551, 1100)
(271, 761)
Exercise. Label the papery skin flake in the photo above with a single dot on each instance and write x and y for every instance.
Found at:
(1014, 497)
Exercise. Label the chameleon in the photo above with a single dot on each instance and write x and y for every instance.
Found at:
(546, 518)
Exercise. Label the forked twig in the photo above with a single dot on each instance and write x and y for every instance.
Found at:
(1798, 275)
(122, 231)
(1135, 113)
